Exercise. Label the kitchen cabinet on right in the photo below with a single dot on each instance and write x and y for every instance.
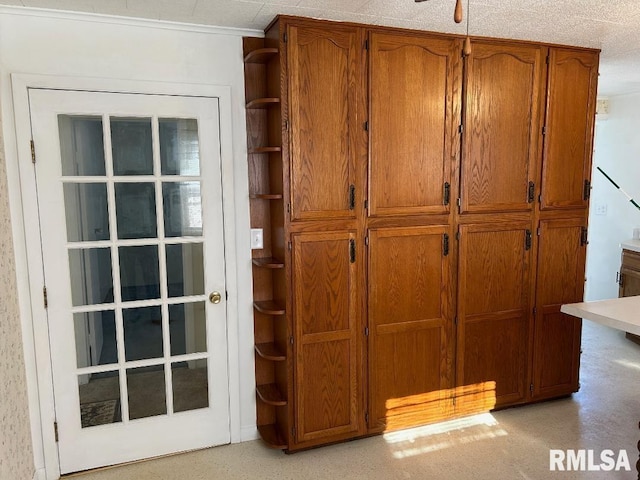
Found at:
(629, 280)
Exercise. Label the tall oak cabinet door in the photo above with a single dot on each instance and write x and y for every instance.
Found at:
(326, 312)
(323, 88)
(415, 86)
(560, 280)
(568, 141)
(493, 315)
(501, 127)
(410, 322)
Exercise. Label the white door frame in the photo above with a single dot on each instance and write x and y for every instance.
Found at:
(29, 259)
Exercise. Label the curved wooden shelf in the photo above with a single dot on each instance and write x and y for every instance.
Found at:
(266, 196)
(259, 150)
(269, 351)
(269, 307)
(271, 436)
(263, 103)
(261, 55)
(268, 262)
(270, 394)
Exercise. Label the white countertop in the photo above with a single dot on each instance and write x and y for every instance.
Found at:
(631, 244)
(619, 313)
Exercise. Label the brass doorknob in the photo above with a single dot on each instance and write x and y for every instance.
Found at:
(215, 297)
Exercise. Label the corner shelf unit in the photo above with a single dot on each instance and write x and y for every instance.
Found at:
(267, 209)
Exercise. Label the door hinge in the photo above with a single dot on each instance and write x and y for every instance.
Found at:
(352, 250)
(366, 126)
(45, 297)
(587, 190)
(527, 240)
(445, 244)
(583, 237)
(55, 430)
(366, 44)
(352, 197)
(531, 192)
(33, 152)
(366, 331)
(446, 193)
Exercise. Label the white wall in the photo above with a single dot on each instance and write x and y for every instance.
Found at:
(45, 43)
(617, 152)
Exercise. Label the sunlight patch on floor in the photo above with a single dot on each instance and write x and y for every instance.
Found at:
(431, 438)
(627, 363)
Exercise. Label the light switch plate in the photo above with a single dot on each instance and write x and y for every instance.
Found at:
(600, 209)
(257, 240)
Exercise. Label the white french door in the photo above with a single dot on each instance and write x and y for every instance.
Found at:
(130, 203)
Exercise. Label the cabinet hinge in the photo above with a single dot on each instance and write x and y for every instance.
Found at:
(587, 190)
(352, 197)
(535, 311)
(453, 400)
(366, 417)
(366, 44)
(226, 295)
(352, 250)
(531, 192)
(460, 128)
(366, 240)
(366, 126)
(366, 204)
(455, 320)
(544, 130)
(583, 237)
(286, 125)
(459, 202)
(289, 245)
(620, 279)
(457, 235)
(366, 331)
(285, 37)
(293, 432)
(446, 193)
(538, 231)
(288, 208)
(531, 388)
(547, 59)
(45, 297)
(445, 244)
(291, 339)
(527, 240)
(55, 431)
(33, 152)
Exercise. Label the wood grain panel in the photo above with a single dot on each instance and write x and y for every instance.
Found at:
(410, 323)
(502, 126)
(560, 279)
(412, 80)
(323, 71)
(568, 143)
(326, 312)
(493, 310)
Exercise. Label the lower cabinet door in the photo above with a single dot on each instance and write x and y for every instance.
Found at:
(325, 305)
(560, 279)
(410, 322)
(493, 315)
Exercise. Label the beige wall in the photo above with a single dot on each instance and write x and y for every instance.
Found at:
(16, 454)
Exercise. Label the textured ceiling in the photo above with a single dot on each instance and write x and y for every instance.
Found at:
(611, 25)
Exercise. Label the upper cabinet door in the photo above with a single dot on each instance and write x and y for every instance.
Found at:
(571, 103)
(501, 127)
(323, 72)
(415, 86)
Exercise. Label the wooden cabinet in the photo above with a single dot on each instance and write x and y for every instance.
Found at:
(629, 280)
(568, 139)
(493, 313)
(379, 303)
(324, 68)
(415, 84)
(504, 85)
(327, 382)
(411, 326)
(560, 280)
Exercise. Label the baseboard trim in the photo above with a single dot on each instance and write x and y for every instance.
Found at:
(249, 433)
(39, 474)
